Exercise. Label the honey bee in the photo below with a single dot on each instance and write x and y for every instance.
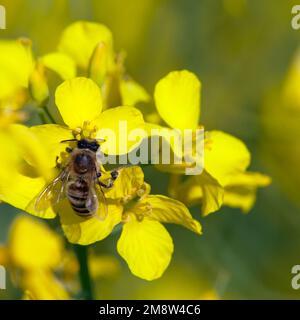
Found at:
(79, 182)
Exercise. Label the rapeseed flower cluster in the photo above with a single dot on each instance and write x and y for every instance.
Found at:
(93, 93)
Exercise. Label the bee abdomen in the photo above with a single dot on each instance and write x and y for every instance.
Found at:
(77, 195)
(77, 203)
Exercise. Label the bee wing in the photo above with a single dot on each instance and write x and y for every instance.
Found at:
(97, 202)
(53, 193)
(92, 201)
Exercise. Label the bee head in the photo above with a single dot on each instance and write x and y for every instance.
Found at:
(92, 145)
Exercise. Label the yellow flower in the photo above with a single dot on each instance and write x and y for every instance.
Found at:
(144, 242)
(34, 262)
(86, 45)
(238, 192)
(79, 40)
(79, 102)
(26, 252)
(22, 154)
(90, 46)
(177, 98)
(24, 166)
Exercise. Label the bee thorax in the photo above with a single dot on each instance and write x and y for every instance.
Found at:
(83, 163)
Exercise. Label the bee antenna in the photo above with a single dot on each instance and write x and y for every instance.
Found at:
(69, 140)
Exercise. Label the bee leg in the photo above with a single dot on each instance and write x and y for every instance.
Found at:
(114, 174)
(107, 186)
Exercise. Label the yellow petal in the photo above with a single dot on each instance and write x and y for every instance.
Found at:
(213, 194)
(250, 179)
(99, 63)
(121, 121)
(177, 98)
(22, 193)
(10, 156)
(86, 231)
(132, 93)
(128, 183)
(60, 63)
(224, 156)
(168, 210)
(80, 38)
(50, 136)
(31, 149)
(28, 253)
(243, 198)
(241, 191)
(38, 86)
(78, 100)
(27, 183)
(16, 64)
(146, 246)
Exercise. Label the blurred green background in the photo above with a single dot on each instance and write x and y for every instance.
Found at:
(240, 49)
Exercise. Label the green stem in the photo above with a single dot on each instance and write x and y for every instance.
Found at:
(84, 273)
(52, 120)
(42, 116)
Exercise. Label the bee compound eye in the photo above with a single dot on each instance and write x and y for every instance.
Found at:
(81, 144)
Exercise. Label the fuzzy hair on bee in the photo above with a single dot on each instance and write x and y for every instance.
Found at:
(79, 182)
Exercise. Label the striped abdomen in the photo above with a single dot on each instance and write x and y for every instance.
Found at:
(78, 193)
